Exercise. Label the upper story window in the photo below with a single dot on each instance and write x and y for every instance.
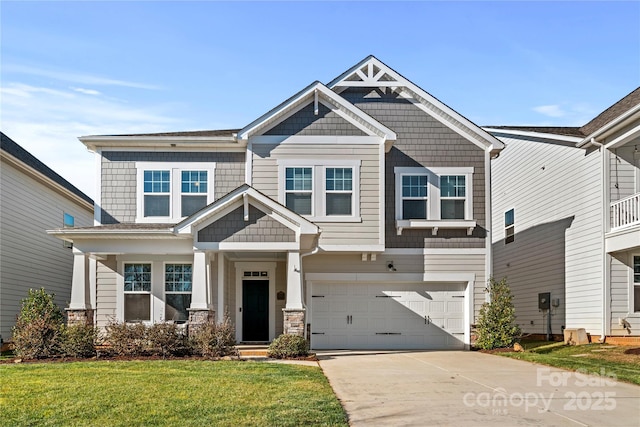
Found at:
(299, 190)
(169, 192)
(322, 190)
(452, 196)
(338, 191)
(414, 195)
(509, 226)
(434, 198)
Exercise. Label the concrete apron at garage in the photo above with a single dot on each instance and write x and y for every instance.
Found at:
(463, 388)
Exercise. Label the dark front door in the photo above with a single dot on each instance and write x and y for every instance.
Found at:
(255, 310)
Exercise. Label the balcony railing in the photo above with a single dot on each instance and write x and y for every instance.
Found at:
(625, 212)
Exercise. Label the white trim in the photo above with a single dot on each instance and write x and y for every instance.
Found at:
(620, 120)
(316, 139)
(221, 287)
(247, 246)
(240, 268)
(436, 251)
(248, 166)
(175, 191)
(433, 199)
(97, 200)
(318, 205)
(153, 148)
(382, 201)
(620, 140)
(352, 248)
(488, 238)
(631, 288)
(533, 134)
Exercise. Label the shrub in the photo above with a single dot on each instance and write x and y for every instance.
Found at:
(78, 340)
(288, 346)
(38, 329)
(127, 340)
(214, 340)
(166, 339)
(496, 325)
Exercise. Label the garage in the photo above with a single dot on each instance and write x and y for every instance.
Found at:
(379, 316)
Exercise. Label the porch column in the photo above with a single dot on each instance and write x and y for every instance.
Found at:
(200, 311)
(294, 310)
(80, 310)
(220, 283)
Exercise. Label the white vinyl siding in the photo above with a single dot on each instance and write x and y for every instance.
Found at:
(29, 208)
(367, 230)
(558, 245)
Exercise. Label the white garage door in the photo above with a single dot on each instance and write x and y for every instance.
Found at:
(387, 316)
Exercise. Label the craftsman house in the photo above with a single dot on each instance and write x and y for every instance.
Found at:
(355, 213)
(566, 223)
(33, 199)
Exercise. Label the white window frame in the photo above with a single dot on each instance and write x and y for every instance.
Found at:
(318, 198)
(149, 293)
(164, 285)
(632, 286)
(511, 227)
(311, 192)
(403, 198)
(175, 196)
(434, 220)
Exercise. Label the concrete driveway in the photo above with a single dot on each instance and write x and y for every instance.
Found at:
(473, 389)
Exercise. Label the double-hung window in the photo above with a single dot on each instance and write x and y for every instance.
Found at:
(169, 192)
(452, 196)
(434, 197)
(299, 190)
(157, 193)
(338, 191)
(509, 226)
(194, 191)
(177, 288)
(322, 190)
(414, 196)
(137, 292)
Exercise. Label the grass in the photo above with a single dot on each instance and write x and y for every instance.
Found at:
(166, 393)
(592, 358)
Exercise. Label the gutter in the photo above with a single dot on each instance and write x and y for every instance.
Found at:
(312, 252)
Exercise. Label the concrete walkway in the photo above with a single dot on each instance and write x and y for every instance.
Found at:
(451, 388)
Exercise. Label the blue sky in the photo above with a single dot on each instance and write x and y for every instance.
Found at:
(80, 68)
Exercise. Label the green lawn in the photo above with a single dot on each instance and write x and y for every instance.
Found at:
(159, 393)
(593, 358)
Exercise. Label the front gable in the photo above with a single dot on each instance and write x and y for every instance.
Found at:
(246, 219)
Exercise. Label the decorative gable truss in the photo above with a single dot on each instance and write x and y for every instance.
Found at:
(371, 72)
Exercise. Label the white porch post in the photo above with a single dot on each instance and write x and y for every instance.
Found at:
(220, 282)
(199, 285)
(200, 311)
(294, 310)
(80, 310)
(294, 281)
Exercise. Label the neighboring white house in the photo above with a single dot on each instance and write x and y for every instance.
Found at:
(33, 199)
(566, 221)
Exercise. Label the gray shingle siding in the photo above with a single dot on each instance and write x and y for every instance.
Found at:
(233, 228)
(305, 122)
(423, 141)
(119, 178)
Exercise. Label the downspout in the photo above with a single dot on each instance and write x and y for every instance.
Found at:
(304, 287)
(605, 165)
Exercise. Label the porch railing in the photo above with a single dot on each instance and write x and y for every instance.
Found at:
(625, 212)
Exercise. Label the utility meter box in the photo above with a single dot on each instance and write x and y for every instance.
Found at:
(544, 301)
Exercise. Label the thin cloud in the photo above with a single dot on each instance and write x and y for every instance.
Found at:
(550, 110)
(86, 91)
(85, 79)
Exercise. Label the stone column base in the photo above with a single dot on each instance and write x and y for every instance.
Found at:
(199, 317)
(79, 316)
(294, 321)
